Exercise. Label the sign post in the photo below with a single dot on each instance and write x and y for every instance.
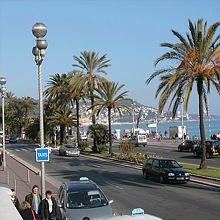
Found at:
(42, 154)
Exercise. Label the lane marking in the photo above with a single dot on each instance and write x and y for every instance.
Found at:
(117, 187)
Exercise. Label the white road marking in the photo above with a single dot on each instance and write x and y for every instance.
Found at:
(117, 187)
(17, 149)
(95, 165)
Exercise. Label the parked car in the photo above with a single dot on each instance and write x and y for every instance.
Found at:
(138, 140)
(82, 198)
(165, 170)
(83, 137)
(13, 139)
(212, 149)
(69, 150)
(187, 145)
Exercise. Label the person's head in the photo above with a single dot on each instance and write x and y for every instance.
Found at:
(35, 189)
(48, 194)
(25, 205)
(86, 218)
(13, 193)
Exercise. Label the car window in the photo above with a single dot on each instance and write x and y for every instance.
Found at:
(156, 163)
(149, 161)
(70, 146)
(169, 164)
(86, 199)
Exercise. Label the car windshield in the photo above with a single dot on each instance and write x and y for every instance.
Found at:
(70, 146)
(169, 164)
(86, 199)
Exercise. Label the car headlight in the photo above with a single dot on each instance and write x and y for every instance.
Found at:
(171, 174)
(187, 174)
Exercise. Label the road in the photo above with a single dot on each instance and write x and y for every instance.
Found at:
(129, 190)
(171, 152)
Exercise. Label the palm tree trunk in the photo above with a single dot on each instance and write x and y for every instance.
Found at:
(94, 148)
(62, 133)
(77, 122)
(110, 130)
(203, 163)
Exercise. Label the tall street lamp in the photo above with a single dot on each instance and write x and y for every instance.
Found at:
(3, 92)
(39, 30)
(182, 101)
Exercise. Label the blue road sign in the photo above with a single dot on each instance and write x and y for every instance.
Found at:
(42, 154)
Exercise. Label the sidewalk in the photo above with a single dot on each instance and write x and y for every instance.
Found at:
(16, 176)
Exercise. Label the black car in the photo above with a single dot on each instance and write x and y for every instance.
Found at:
(187, 145)
(212, 149)
(165, 170)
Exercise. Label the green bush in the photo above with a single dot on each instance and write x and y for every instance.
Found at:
(83, 145)
(126, 147)
(101, 148)
(100, 133)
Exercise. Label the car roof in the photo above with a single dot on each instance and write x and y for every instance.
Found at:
(80, 185)
(160, 158)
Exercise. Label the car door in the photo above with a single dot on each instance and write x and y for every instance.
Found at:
(156, 168)
(61, 202)
(148, 166)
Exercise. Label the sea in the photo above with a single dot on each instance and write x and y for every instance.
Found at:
(192, 127)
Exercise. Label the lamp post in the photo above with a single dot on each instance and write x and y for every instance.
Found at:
(3, 92)
(182, 101)
(39, 30)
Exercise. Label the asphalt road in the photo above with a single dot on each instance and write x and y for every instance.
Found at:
(129, 190)
(171, 152)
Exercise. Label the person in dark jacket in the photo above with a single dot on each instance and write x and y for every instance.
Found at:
(48, 208)
(15, 200)
(34, 199)
(26, 212)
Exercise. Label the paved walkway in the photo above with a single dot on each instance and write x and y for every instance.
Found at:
(16, 177)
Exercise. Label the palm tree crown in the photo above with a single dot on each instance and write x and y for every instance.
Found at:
(195, 60)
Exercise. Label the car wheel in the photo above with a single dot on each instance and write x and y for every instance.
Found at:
(208, 155)
(145, 174)
(161, 178)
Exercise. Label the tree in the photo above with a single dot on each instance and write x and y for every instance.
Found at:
(78, 89)
(59, 98)
(91, 64)
(110, 97)
(64, 119)
(195, 61)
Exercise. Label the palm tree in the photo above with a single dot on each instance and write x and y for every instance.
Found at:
(64, 119)
(110, 97)
(78, 90)
(91, 64)
(58, 89)
(196, 62)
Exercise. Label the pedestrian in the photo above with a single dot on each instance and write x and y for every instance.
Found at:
(34, 199)
(26, 212)
(14, 199)
(48, 208)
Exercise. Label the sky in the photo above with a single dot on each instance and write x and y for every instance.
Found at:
(128, 31)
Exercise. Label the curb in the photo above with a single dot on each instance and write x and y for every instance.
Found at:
(138, 167)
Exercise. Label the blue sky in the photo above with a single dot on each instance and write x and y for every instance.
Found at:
(129, 31)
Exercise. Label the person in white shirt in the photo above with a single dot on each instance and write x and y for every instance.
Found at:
(48, 208)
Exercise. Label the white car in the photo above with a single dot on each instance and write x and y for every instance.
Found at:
(137, 214)
(140, 139)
